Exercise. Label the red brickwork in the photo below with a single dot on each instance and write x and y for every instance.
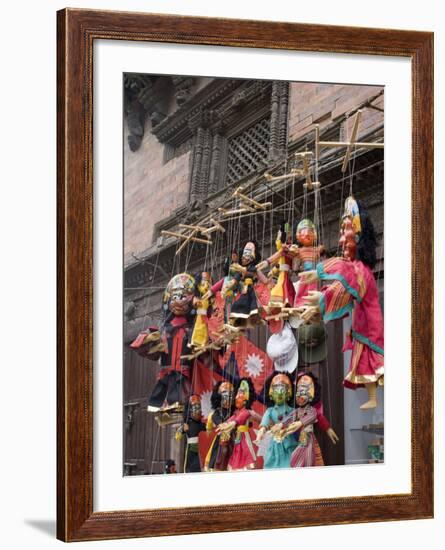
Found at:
(310, 104)
(152, 190)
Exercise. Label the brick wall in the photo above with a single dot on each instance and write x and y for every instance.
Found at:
(310, 104)
(152, 190)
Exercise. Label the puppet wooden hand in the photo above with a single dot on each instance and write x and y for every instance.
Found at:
(293, 427)
(312, 298)
(260, 435)
(225, 427)
(308, 312)
(332, 436)
(262, 265)
(207, 295)
(308, 277)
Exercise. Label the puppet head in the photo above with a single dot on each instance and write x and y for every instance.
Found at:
(307, 389)
(357, 234)
(195, 407)
(244, 394)
(179, 294)
(306, 233)
(249, 253)
(280, 390)
(305, 392)
(226, 392)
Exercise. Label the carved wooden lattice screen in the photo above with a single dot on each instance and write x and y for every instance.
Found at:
(248, 150)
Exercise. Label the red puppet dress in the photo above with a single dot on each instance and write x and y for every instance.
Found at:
(243, 454)
(353, 289)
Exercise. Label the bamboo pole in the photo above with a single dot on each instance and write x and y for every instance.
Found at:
(351, 141)
(369, 145)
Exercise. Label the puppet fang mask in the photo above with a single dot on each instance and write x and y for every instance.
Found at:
(226, 392)
(248, 253)
(195, 407)
(305, 390)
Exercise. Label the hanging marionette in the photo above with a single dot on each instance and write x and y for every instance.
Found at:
(244, 309)
(243, 455)
(306, 256)
(307, 451)
(173, 385)
(200, 335)
(191, 428)
(279, 398)
(223, 405)
(283, 292)
(353, 289)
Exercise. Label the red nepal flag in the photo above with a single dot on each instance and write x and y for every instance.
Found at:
(252, 362)
(203, 379)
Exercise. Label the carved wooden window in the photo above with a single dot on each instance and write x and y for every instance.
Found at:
(247, 151)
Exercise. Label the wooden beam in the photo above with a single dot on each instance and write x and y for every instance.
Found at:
(244, 198)
(368, 145)
(352, 140)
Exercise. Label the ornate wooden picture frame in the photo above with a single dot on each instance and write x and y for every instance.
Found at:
(77, 31)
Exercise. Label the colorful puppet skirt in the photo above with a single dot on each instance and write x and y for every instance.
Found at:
(283, 293)
(200, 335)
(366, 366)
(278, 454)
(219, 454)
(245, 307)
(305, 454)
(243, 454)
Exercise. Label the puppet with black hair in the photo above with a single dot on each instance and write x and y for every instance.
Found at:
(173, 384)
(279, 400)
(243, 456)
(223, 405)
(200, 335)
(190, 428)
(353, 290)
(307, 451)
(239, 291)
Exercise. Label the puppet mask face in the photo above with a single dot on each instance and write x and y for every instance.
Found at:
(305, 390)
(226, 392)
(306, 233)
(248, 254)
(179, 294)
(280, 389)
(195, 408)
(348, 240)
(242, 395)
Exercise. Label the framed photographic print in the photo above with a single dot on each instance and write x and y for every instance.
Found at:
(227, 190)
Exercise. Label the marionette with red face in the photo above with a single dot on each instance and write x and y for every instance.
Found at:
(223, 405)
(352, 289)
(243, 455)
